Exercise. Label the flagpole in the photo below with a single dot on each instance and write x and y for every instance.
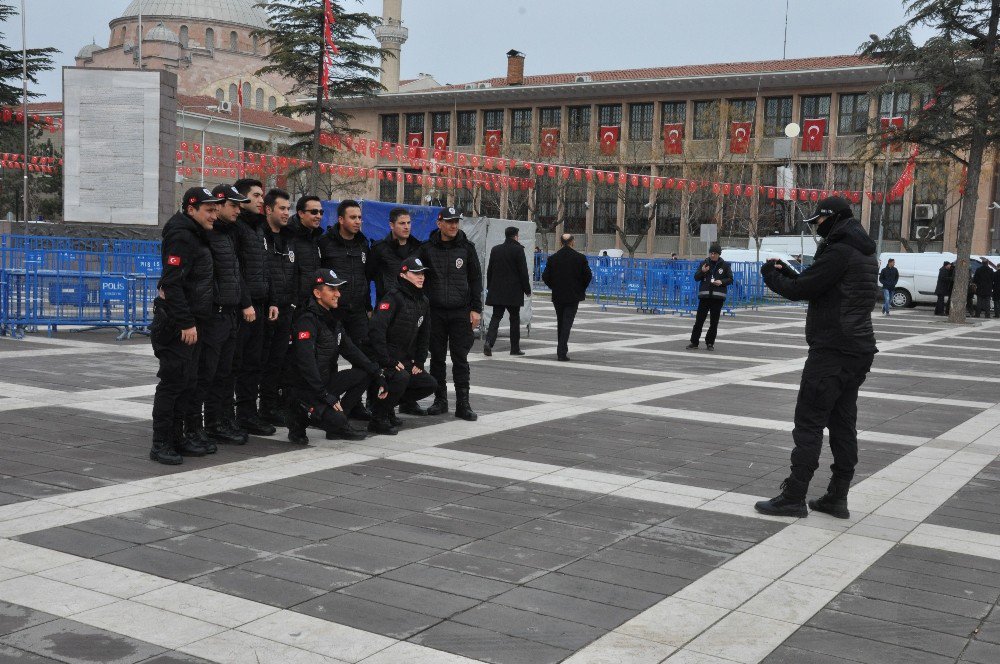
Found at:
(139, 36)
(24, 109)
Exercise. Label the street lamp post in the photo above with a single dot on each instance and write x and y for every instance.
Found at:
(24, 110)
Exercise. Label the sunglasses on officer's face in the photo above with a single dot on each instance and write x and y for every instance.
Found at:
(313, 211)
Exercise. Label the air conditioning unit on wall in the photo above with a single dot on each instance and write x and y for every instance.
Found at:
(225, 107)
(924, 211)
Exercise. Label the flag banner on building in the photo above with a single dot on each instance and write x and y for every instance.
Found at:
(550, 142)
(415, 139)
(609, 139)
(889, 127)
(813, 131)
(739, 137)
(440, 140)
(494, 138)
(239, 93)
(906, 177)
(673, 138)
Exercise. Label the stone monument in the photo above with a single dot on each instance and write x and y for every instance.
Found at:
(120, 137)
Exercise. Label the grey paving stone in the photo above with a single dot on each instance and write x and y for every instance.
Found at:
(625, 576)
(507, 506)
(472, 529)
(857, 649)
(556, 545)
(650, 563)
(366, 562)
(478, 515)
(417, 535)
(254, 538)
(915, 616)
(367, 615)
(304, 572)
(516, 554)
(161, 563)
(362, 508)
(574, 609)
(449, 581)
(286, 493)
(76, 542)
(411, 597)
(784, 654)
(936, 584)
(889, 632)
(725, 525)
(14, 617)
(172, 518)
(981, 653)
(252, 501)
(665, 549)
(595, 522)
(488, 646)
(212, 550)
(258, 587)
(487, 567)
(10, 655)
(125, 530)
(529, 625)
(596, 591)
(327, 517)
(76, 643)
(174, 658)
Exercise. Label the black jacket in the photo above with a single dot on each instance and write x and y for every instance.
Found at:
(281, 267)
(888, 277)
(983, 278)
(996, 284)
(507, 280)
(387, 255)
(318, 340)
(567, 273)
(251, 247)
(304, 245)
(400, 329)
(228, 288)
(945, 280)
(841, 288)
(187, 274)
(455, 277)
(350, 260)
(718, 271)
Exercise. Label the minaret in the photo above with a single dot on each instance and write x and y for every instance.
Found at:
(391, 34)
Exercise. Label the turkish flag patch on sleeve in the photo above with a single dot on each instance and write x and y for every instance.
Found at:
(304, 335)
(174, 260)
(384, 306)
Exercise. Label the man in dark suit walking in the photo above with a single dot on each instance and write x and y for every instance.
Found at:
(507, 283)
(567, 274)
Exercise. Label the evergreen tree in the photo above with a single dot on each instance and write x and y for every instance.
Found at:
(295, 45)
(958, 67)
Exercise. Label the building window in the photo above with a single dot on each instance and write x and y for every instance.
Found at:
(636, 198)
(210, 39)
(605, 208)
(815, 108)
(464, 201)
(735, 213)
(124, 34)
(272, 103)
(849, 177)
(256, 44)
(220, 95)
(578, 120)
(674, 112)
(387, 188)
(549, 118)
(668, 211)
(258, 100)
(895, 106)
(233, 93)
(640, 122)
(520, 126)
(609, 115)
(777, 114)
(184, 36)
(441, 121)
(706, 119)
(546, 203)
(853, 116)
(930, 188)
(247, 91)
(810, 176)
(412, 192)
(466, 128)
(574, 207)
(493, 120)
(703, 205)
(893, 211)
(742, 110)
(390, 128)
(414, 123)
(234, 40)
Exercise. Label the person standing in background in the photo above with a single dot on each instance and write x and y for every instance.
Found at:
(507, 284)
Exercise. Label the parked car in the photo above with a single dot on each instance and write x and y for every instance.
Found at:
(918, 275)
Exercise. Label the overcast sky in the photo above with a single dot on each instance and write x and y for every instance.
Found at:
(464, 40)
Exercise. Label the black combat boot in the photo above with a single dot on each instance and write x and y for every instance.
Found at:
(229, 424)
(272, 414)
(834, 501)
(256, 426)
(462, 408)
(184, 445)
(346, 433)
(381, 426)
(163, 452)
(411, 408)
(440, 405)
(195, 433)
(220, 433)
(394, 419)
(790, 502)
(488, 349)
(360, 412)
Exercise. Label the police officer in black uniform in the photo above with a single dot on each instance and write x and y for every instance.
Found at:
(181, 310)
(306, 229)
(345, 250)
(248, 363)
(389, 252)
(284, 292)
(321, 394)
(218, 338)
(400, 333)
(455, 290)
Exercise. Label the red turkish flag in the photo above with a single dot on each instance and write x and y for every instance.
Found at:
(609, 139)
(440, 140)
(739, 137)
(550, 142)
(890, 126)
(493, 139)
(415, 139)
(812, 134)
(673, 138)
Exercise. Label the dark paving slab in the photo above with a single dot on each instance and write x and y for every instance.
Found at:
(976, 506)
(693, 362)
(970, 389)
(86, 370)
(568, 381)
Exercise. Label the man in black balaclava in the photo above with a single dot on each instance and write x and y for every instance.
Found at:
(841, 287)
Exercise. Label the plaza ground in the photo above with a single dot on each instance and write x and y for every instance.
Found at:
(600, 511)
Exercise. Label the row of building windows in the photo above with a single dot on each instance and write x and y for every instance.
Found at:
(254, 99)
(185, 38)
(853, 113)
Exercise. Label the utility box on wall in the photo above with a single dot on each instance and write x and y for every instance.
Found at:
(120, 137)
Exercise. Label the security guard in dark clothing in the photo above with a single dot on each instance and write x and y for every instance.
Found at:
(247, 365)
(183, 308)
(218, 338)
(306, 229)
(284, 292)
(840, 286)
(455, 290)
(389, 252)
(400, 333)
(345, 250)
(714, 277)
(320, 394)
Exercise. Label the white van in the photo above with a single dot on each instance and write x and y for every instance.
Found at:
(804, 245)
(918, 275)
(752, 256)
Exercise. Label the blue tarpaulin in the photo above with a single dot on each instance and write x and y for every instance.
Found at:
(375, 218)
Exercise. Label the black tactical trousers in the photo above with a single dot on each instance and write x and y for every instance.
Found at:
(248, 363)
(450, 330)
(515, 326)
(174, 397)
(276, 344)
(828, 398)
(710, 307)
(404, 386)
(215, 364)
(565, 315)
(348, 384)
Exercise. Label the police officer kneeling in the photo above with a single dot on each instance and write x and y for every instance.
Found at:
(399, 335)
(320, 394)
